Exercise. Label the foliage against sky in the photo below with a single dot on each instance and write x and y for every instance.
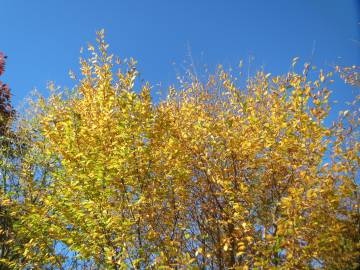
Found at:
(216, 176)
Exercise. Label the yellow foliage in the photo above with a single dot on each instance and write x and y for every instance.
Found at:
(214, 175)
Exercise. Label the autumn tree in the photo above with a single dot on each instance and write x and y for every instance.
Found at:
(217, 176)
(262, 192)
(7, 174)
(14, 148)
(97, 141)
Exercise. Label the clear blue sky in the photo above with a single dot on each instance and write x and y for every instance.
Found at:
(42, 38)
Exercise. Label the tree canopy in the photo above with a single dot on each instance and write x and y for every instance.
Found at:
(215, 176)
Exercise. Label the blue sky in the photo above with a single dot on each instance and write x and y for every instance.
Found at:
(42, 38)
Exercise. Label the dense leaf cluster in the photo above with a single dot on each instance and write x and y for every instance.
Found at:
(215, 176)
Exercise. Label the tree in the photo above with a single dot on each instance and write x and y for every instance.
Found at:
(14, 147)
(7, 155)
(263, 195)
(214, 177)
